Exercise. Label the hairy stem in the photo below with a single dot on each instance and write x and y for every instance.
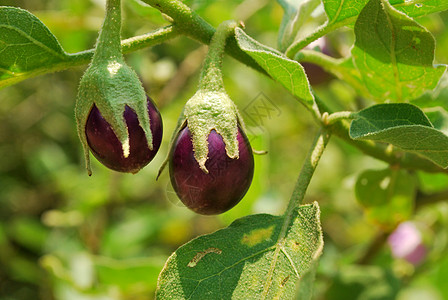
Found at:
(333, 66)
(109, 40)
(195, 27)
(307, 171)
(82, 58)
(318, 33)
(211, 75)
(379, 151)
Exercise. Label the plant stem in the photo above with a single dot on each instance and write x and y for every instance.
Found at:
(130, 45)
(195, 27)
(333, 66)
(109, 40)
(337, 116)
(374, 247)
(423, 199)
(307, 171)
(211, 75)
(81, 58)
(406, 160)
(318, 33)
(299, 45)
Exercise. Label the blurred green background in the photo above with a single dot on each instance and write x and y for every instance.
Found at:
(65, 235)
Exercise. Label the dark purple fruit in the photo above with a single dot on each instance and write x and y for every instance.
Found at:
(106, 147)
(227, 181)
(316, 74)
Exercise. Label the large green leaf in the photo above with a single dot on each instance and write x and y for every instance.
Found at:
(256, 257)
(26, 45)
(402, 125)
(394, 54)
(282, 69)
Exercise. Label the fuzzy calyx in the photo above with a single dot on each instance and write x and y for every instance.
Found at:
(111, 86)
(207, 111)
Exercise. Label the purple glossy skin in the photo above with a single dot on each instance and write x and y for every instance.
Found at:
(106, 147)
(227, 181)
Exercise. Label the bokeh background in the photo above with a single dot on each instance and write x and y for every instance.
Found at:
(65, 235)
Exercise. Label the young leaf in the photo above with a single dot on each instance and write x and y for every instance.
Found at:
(296, 14)
(250, 259)
(26, 45)
(402, 125)
(282, 69)
(394, 54)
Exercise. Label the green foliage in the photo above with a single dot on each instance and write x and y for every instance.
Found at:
(287, 72)
(27, 46)
(420, 8)
(404, 126)
(394, 54)
(67, 236)
(342, 11)
(295, 16)
(254, 258)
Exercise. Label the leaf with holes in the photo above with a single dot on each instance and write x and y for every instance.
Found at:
(26, 45)
(402, 125)
(256, 257)
(287, 72)
(394, 54)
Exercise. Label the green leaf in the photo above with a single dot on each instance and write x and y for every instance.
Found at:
(418, 8)
(296, 14)
(402, 125)
(394, 54)
(387, 195)
(253, 258)
(287, 72)
(305, 285)
(343, 11)
(26, 45)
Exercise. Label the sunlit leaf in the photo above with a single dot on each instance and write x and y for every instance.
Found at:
(287, 72)
(253, 258)
(418, 8)
(342, 11)
(295, 16)
(394, 54)
(26, 45)
(345, 12)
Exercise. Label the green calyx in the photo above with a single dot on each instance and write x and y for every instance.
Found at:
(207, 111)
(211, 108)
(110, 84)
